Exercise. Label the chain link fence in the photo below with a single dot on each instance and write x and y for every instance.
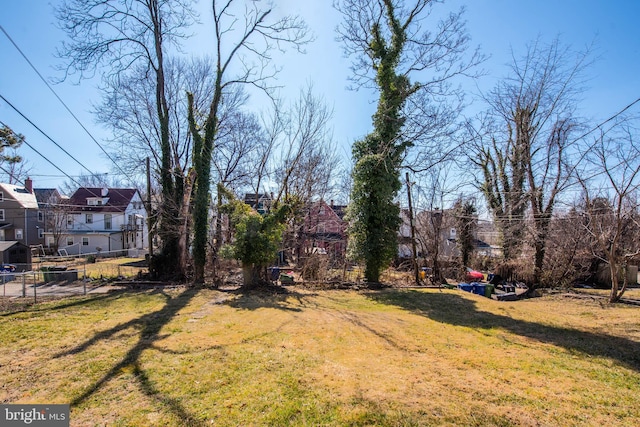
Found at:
(62, 276)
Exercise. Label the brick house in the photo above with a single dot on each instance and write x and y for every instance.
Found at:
(324, 230)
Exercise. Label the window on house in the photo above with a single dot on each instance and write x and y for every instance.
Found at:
(321, 210)
(69, 241)
(2, 236)
(88, 219)
(1, 214)
(40, 216)
(19, 234)
(40, 233)
(50, 241)
(85, 241)
(69, 221)
(1, 196)
(107, 221)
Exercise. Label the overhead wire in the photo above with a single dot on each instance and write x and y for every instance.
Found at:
(62, 102)
(24, 56)
(46, 158)
(44, 133)
(42, 155)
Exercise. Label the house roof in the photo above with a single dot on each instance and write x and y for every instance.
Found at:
(340, 210)
(115, 199)
(20, 194)
(45, 195)
(4, 245)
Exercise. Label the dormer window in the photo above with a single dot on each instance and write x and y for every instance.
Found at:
(97, 201)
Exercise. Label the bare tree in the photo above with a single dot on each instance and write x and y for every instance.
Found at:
(569, 255)
(56, 222)
(129, 109)
(432, 217)
(90, 181)
(524, 152)
(305, 161)
(119, 36)
(611, 185)
(244, 39)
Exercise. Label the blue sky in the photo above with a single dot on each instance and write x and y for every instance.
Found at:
(496, 25)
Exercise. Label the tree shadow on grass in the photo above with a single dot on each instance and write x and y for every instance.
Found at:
(150, 325)
(141, 263)
(273, 297)
(78, 300)
(459, 311)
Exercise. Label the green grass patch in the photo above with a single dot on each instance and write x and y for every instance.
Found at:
(391, 357)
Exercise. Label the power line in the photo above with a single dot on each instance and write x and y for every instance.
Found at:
(11, 174)
(42, 155)
(43, 133)
(50, 139)
(70, 112)
(61, 101)
(607, 120)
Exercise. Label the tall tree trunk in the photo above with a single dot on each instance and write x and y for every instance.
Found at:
(203, 149)
(171, 199)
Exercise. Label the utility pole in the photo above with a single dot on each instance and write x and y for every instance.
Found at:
(413, 233)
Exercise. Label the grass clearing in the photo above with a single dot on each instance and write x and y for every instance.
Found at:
(389, 357)
(101, 268)
(111, 268)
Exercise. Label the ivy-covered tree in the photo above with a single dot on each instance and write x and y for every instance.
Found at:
(525, 158)
(388, 44)
(466, 223)
(258, 238)
(244, 37)
(120, 40)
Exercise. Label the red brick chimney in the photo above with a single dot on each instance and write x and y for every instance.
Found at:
(28, 185)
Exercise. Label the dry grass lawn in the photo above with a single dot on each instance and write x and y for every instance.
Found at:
(110, 268)
(389, 357)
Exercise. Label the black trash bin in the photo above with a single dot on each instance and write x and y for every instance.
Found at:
(274, 273)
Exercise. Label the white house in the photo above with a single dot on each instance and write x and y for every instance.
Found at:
(103, 220)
